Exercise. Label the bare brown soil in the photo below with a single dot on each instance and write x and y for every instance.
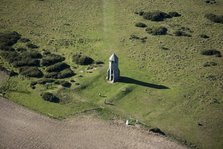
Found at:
(21, 128)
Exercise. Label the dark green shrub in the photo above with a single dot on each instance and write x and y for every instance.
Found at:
(32, 54)
(51, 75)
(214, 18)
(63, 83)
(66, 73)
(204, 36)
(140, 24)
(81, 59)
(32, 46)
(26, 62)
(181, 33)
(57, 67)
(174, 14)
(156, 16)
(51, 59)
(50, 97)
(66, 84)
(211, 52)
(10, 56)
(157, 31)
(9, 39)
(30, 72)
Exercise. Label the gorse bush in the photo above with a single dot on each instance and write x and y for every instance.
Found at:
(181, 33)
(51, 59)
(50, 97)
(26, 62)
(32, 54)
(31, 72)
(157, 31)
(81, 59)
(9, 39)
(211, 52)
(214, 18)
(66, 73)
(10, 56)
(57, 67)
(140, 24)
(156, 16)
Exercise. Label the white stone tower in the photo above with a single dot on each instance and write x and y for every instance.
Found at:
(113, 72)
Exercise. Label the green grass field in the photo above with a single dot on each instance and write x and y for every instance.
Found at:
(101, 27)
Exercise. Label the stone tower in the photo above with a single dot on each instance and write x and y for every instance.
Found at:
(113, 72)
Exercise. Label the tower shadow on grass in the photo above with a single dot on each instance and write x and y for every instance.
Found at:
(124, 79)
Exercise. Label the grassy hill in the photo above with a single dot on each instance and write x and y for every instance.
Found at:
(166, 81)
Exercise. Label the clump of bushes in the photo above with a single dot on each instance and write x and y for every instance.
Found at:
(33, 54)
(81, 59)
(24, 59)
(31, 72)
(63, 83)
(57, 67)
(181, 33)
(26, 62)
(10, 56)
(66, 73)
(157, 31)
(140, 24)
(51, 59)
(215, 18)
(50, 97)
(211, 52)
(159, 15)
(9, 38)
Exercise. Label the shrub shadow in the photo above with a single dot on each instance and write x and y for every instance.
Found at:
(141, 83)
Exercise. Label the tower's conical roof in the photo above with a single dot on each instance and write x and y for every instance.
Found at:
(113, 57)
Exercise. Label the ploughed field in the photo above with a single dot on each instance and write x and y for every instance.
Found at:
(54, 57)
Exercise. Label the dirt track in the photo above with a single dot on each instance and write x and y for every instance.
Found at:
(21, 128)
